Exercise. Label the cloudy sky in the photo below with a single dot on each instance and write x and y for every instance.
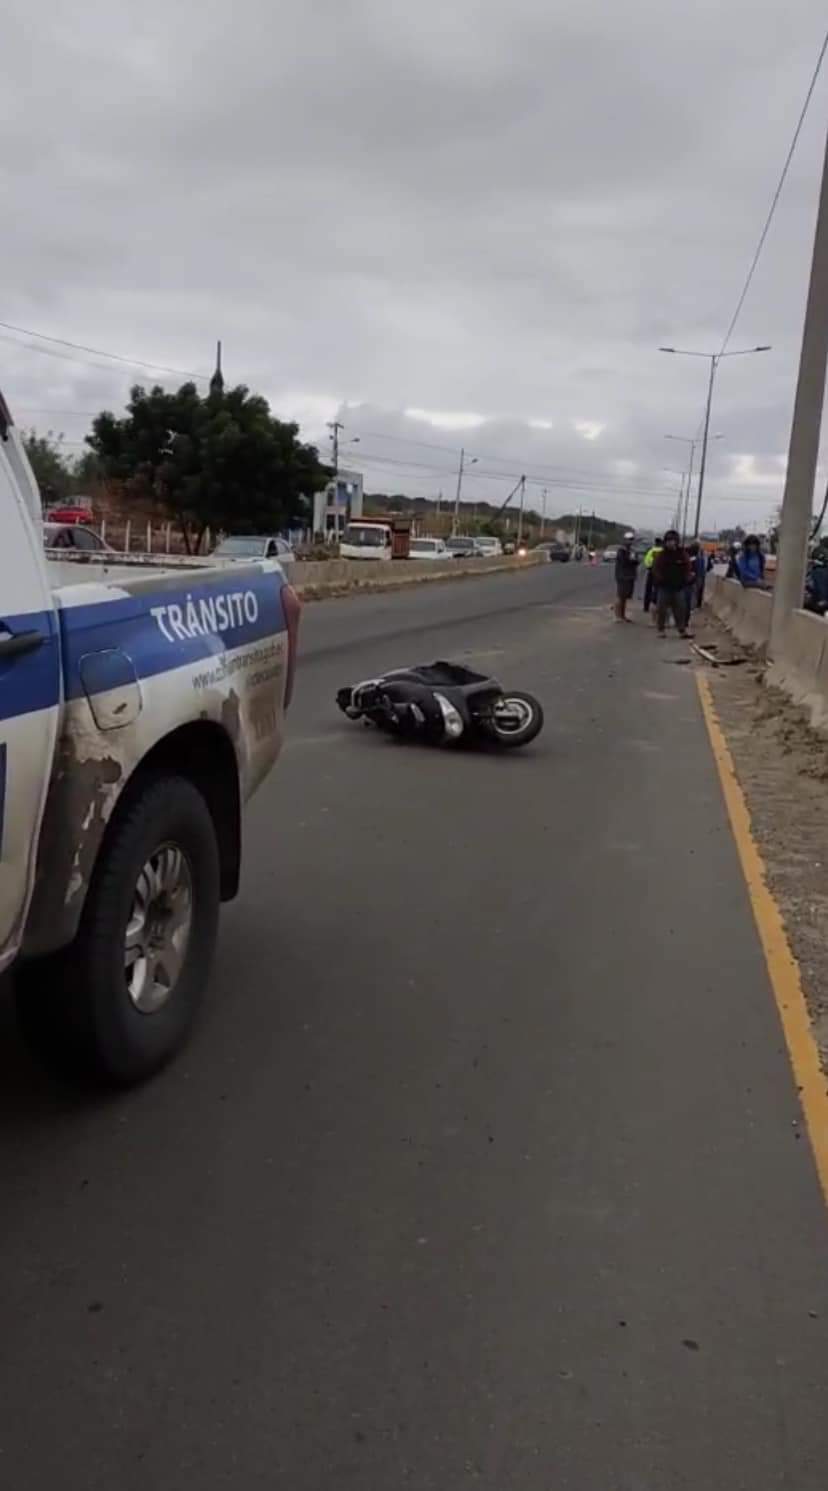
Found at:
(456, 222)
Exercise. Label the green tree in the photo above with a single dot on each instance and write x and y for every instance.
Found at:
(221, 461)
(51, 466)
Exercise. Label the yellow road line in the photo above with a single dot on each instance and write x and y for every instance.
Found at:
(782, 965)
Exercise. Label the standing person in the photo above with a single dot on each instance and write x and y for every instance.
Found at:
(732, 562)
(626, 568)
(649, 559)
(698, 575)
(671, 576)
(750, 565)
(702, 568)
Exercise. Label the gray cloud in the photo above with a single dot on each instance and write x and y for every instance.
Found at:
(463, 206)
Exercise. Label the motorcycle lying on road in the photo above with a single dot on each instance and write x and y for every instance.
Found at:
(444, 703)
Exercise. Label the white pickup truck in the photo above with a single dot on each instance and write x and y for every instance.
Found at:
(139, 708)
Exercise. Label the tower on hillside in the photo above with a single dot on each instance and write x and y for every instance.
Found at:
(217, 380)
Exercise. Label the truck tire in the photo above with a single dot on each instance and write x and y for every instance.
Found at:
(119, 1002)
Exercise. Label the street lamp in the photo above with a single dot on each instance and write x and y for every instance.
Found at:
(714, 358)
(678, 522)
(692, 442)
(472, 462)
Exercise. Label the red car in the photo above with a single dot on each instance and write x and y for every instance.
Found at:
(70, 515)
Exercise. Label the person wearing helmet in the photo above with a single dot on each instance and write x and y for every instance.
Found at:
(626, 566)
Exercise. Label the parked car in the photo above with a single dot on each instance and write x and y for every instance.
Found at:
(464, 546)
(241, 548)
(609, 556)
(429, 548)
(491, 546)
(74, 536)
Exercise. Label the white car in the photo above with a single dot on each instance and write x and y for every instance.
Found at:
(429, 548)
(492, 547)
(74, 536)
(240, 548)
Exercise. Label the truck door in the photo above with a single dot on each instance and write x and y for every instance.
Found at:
(29, 688)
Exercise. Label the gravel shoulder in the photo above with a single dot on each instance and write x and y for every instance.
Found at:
(782, 766)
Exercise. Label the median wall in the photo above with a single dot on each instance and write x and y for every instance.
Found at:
(746, 613)
(315, 579)
(800, 667)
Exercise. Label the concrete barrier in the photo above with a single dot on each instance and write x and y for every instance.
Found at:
(746, 613)
(315, 579)
(801, 666)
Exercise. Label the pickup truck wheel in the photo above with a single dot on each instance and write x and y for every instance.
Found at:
(119, 1002)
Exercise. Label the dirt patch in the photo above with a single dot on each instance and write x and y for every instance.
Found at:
(782, 766)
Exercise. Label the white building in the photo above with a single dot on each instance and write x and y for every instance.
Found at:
(339, 501)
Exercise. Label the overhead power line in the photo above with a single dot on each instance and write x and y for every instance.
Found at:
(777, 194)
(546, 472)
(131, 362)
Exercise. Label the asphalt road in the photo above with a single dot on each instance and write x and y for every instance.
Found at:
(485, 1165)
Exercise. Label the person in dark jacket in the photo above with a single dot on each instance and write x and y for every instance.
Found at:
(750, 565)
(672, 573)
(626, 567)
(649, 561)
(816, 585)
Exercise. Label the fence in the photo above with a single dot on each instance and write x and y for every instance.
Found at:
(127, 537)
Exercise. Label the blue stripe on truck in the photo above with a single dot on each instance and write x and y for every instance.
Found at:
(158, 630)
(165, 629)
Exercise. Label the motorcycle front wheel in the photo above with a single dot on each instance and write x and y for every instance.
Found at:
(516, 719)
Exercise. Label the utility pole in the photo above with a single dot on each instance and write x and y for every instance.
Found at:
(472, 462)
(797, 503)
(577, 538)
(543, 514)
(459, 489)
(589, 535)
(335, 425)
(520, 510)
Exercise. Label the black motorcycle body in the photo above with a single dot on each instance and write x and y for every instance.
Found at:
(444, 704)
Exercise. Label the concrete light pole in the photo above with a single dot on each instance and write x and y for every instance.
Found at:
(797, 503)
(714, 359)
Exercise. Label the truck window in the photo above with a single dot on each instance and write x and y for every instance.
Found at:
(366, 538)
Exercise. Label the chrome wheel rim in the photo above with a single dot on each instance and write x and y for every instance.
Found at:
(512, 716)
(158, 928)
